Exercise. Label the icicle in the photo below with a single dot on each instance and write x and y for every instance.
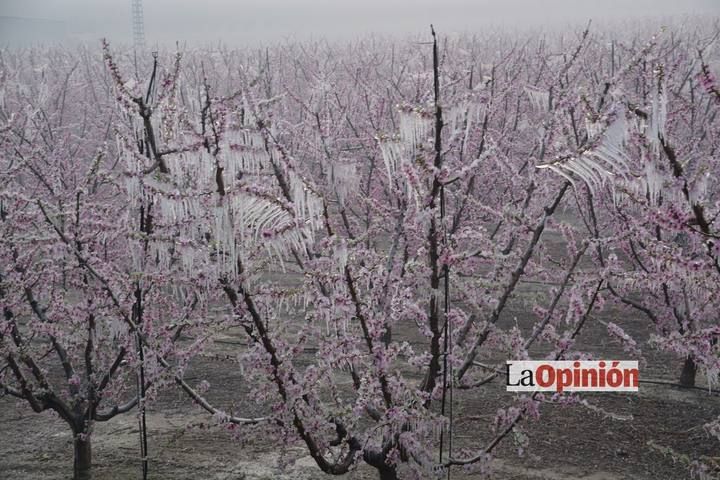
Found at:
(617, 196)
(132, 184)
(136, 256)
(540, 99)
(391, 154)
(166, 209)
(659, 111)
(233, 164)
(559, 171)
(699, 188)
(472, 115)
(115, 327)
(415, 128)
(581, 169)
(457, 117)
(187, 258)
(606, 160)
(344, 179)
(593, 129)
(224, 239)
(653, 182)
(341, 255)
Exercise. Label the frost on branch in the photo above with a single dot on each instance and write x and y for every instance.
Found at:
(540, 99)
(602, 160)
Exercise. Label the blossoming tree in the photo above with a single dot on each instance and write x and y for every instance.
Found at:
(85, 284)
(368, 215)
(409, 257)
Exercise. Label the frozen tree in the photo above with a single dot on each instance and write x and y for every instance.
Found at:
(650, 173)
(368, 215)
(92, 305)
(408, 255)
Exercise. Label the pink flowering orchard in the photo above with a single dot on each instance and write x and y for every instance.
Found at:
(372, 218)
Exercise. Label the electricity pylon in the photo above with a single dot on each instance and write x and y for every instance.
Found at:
(138, 24)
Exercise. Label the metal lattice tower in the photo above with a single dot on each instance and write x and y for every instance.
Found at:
(138, 24)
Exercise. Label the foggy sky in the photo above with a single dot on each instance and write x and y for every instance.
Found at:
(269, 20)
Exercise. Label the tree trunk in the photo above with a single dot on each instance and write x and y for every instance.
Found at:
(83, 458)
(387, 336)
(388, 473)
(687, 377)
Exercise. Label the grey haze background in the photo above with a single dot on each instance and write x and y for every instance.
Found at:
(252, 21)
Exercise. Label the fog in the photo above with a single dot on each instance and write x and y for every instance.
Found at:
(270, 20)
